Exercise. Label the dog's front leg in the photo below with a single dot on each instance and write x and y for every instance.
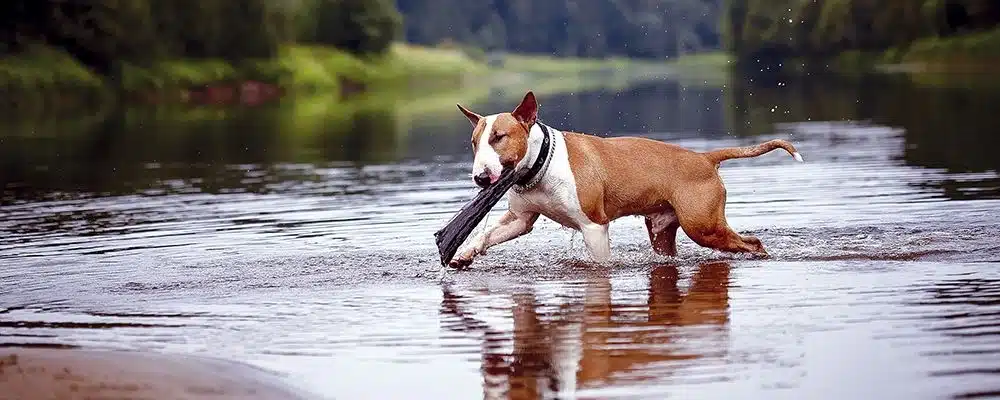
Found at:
(598, 242)
(510, 226)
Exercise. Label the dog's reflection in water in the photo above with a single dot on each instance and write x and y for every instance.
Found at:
(589, 340)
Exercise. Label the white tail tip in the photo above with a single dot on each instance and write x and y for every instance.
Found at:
(797, 156)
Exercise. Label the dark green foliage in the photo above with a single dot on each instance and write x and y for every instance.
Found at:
(94, 32)
(107, 35)
(587, 28)
(358, 26)
(772, 31)
(110, 35)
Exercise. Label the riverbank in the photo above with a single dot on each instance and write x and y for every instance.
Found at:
(44, 76)
(393, 110)
(711, 69)
(971, 53)
(31, 373)
(47, 75)
(974, 53)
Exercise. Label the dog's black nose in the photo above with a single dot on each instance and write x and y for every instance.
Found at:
(483, 179)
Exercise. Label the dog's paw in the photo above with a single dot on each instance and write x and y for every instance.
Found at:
(459, 263)
(463, 260)
(466, 258)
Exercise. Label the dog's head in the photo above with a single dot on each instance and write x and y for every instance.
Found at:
(500, 141)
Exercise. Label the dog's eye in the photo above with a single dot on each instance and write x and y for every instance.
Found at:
(499, 136)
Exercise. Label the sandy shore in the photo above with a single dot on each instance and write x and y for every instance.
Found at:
(30, 373)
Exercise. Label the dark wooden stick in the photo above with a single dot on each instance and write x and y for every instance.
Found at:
(453, 234)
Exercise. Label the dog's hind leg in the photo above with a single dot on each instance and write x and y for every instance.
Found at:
(722, 238)
(662, 230)
(702, 215)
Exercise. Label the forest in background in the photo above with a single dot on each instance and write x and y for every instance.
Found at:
(101, 33)
(153, 43)
(143, 45)
(764, 34)
(131, 42)
(105, 34)
(568, 28)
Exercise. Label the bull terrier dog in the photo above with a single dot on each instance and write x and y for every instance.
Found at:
(583, 182)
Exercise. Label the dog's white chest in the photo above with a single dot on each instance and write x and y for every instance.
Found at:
(554, 203)
(555, 195)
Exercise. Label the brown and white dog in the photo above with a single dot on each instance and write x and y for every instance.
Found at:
(584, 182)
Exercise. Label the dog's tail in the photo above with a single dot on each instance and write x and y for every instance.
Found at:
(720, 155)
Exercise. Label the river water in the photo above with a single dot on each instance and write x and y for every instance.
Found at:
(303, 244)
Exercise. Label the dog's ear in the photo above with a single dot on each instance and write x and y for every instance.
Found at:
(473, 117)
(527, 111)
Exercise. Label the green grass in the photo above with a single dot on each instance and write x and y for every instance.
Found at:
(297, 68)
(174, 74)
(404, 74)
(545, 64)
(714, 60)
(46, 78)
(977, 52)
(702, 69)
(406, 60)
(319, 67)
(309, 69)
(44, 68)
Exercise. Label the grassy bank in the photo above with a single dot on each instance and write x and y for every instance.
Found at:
(407, 87)
(47, 78)
(709, 68)
(43, 74)
(545, 64)
(957, 61)
(970, 53)
(715, 60)
(45, 70)
(978, 52)
(414, 106)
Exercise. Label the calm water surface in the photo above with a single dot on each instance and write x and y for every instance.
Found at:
(303, 244)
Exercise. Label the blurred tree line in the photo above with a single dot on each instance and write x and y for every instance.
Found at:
(769, 31)
(578, 28)
(103, 33)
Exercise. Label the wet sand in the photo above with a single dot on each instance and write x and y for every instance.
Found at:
(38, 373)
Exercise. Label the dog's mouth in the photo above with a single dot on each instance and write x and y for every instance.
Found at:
(487, 179)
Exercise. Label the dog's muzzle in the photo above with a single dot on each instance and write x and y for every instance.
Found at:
(483, 179)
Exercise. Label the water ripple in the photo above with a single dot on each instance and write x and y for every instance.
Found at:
(882, 274)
